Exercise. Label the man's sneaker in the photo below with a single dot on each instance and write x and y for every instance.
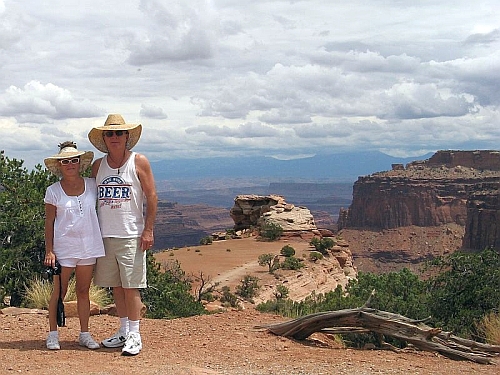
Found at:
(88, 341)
(133, 345)
(115, 341)
(53, 342)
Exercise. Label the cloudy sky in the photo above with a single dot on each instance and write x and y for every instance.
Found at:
(266, 77)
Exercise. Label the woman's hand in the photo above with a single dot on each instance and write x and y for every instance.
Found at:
(50, 259)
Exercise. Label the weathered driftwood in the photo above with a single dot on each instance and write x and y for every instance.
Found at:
(364, 319)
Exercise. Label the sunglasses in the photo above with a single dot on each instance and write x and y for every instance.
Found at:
(118, 133)
(70, 161)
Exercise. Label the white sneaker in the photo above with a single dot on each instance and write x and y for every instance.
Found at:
(53, 342)
(115, 341)
(88, 341)
(133, 345)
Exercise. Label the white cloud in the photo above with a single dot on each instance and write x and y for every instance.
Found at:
(37, 103)
(271, 77)
(151, 111)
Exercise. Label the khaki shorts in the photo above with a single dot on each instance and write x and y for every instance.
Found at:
(123, 265)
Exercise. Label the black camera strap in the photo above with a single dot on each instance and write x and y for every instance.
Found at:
(61, 316)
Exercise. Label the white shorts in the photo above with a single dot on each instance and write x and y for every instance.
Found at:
(73, 262)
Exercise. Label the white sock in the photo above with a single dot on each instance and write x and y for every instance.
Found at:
(134, 325)
(124, 325)
(54, 333)
(82, 334)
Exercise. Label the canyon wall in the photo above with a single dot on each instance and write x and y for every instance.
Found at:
(482, 229)
(450, 187)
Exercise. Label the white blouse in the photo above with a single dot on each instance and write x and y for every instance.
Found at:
(76, 227)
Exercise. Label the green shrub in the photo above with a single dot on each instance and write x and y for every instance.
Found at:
(168, 292)
(322, 245)
(208, 240)
(315, 256)
(269, 260)
(399, 292)
(292, 263)
(281, 292)
(228, 298)
(287, 251)
(466, 289)
(248, 287)
(271, 231)
(22, 214)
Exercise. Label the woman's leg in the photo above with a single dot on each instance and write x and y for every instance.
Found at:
(83, 279)
(64, 278)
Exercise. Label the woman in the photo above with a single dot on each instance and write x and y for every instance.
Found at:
(72, 235)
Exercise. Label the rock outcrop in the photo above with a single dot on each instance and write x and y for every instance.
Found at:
(248, 209)
(424, 193)
(254, 210)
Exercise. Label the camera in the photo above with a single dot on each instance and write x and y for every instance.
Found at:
(51, 271)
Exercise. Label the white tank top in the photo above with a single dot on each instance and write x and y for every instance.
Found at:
(120, 200)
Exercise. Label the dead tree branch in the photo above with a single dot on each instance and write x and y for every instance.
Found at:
(414, 332)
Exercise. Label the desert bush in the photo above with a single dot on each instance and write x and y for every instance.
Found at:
(248, 287)
(315, 256)
(463, 297)
(270, 261)
(281, 292)
(208, 240)
(287, 251)
(271, 231)
(38, 292)
(22, 213)
(322, 245)
(168, 292)
(205, 288)
(466, 289)
(292, 263)
(489, 328)
(228, 298)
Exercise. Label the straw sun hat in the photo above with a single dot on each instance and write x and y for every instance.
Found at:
(115, 122)
(68, 150)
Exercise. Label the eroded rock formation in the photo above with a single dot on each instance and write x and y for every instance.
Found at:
(254, 210)
(424, 193)
(482, 229)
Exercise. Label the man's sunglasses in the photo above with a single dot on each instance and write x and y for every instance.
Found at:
(69, 161)
(118, 133)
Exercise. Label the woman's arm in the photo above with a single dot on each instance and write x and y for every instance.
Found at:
(50, 218)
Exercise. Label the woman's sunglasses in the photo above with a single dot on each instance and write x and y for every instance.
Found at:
(70, 161)
(110, 133)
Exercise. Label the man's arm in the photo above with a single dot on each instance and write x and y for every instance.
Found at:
(146, 177)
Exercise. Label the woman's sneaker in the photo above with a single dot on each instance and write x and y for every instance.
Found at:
(133, 345)
(115, 341)
(53, 342)
(88, 341)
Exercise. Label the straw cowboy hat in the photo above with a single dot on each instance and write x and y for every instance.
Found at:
(68, 150)
(115, 122)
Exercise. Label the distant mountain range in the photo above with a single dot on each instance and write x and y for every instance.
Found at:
(339, 167)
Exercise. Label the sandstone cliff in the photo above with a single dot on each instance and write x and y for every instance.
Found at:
(432, 192)
(482, 229)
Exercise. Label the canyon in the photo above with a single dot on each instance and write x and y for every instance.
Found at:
(391, 219)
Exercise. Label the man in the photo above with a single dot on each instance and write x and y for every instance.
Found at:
(124, 179)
